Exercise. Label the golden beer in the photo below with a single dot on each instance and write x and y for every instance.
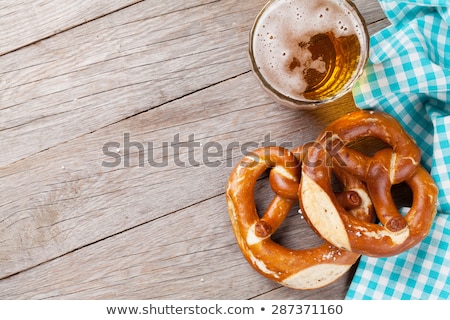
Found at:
(308, 52)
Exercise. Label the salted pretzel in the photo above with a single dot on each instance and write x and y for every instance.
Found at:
(299, 269)
(400, 163)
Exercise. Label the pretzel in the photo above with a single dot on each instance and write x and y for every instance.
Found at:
(298, 269)
(400, 163)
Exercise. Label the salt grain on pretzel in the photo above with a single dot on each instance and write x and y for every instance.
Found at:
(299, 269)
(390, 166)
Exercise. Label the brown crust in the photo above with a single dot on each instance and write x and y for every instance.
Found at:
(266, 256)
(345, 220)
(394, 165)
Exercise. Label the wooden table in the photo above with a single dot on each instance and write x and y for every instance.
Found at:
(120, 122)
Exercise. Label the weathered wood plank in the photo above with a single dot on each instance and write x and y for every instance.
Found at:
(184, 255)
(66, 192)
(117, 66)
(181, 256)
(24, 22)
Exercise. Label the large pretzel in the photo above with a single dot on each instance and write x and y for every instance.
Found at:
(387, 167)
(299, 269)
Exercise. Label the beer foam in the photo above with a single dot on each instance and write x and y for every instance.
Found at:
(281, 35)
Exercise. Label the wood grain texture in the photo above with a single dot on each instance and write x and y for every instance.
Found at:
(71, 192)
(116, 67)
(120, 65)
(25, 22)
(121, 87)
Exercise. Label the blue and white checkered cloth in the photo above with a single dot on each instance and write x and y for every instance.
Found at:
(408, 76)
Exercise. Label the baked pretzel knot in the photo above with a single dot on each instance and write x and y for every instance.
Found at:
(393, 165)
(299, 269)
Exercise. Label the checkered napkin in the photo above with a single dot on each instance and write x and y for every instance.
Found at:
(408, 76)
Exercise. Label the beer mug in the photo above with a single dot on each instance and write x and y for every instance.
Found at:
(308, 52)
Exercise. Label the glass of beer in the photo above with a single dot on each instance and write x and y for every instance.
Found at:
(308, 52)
